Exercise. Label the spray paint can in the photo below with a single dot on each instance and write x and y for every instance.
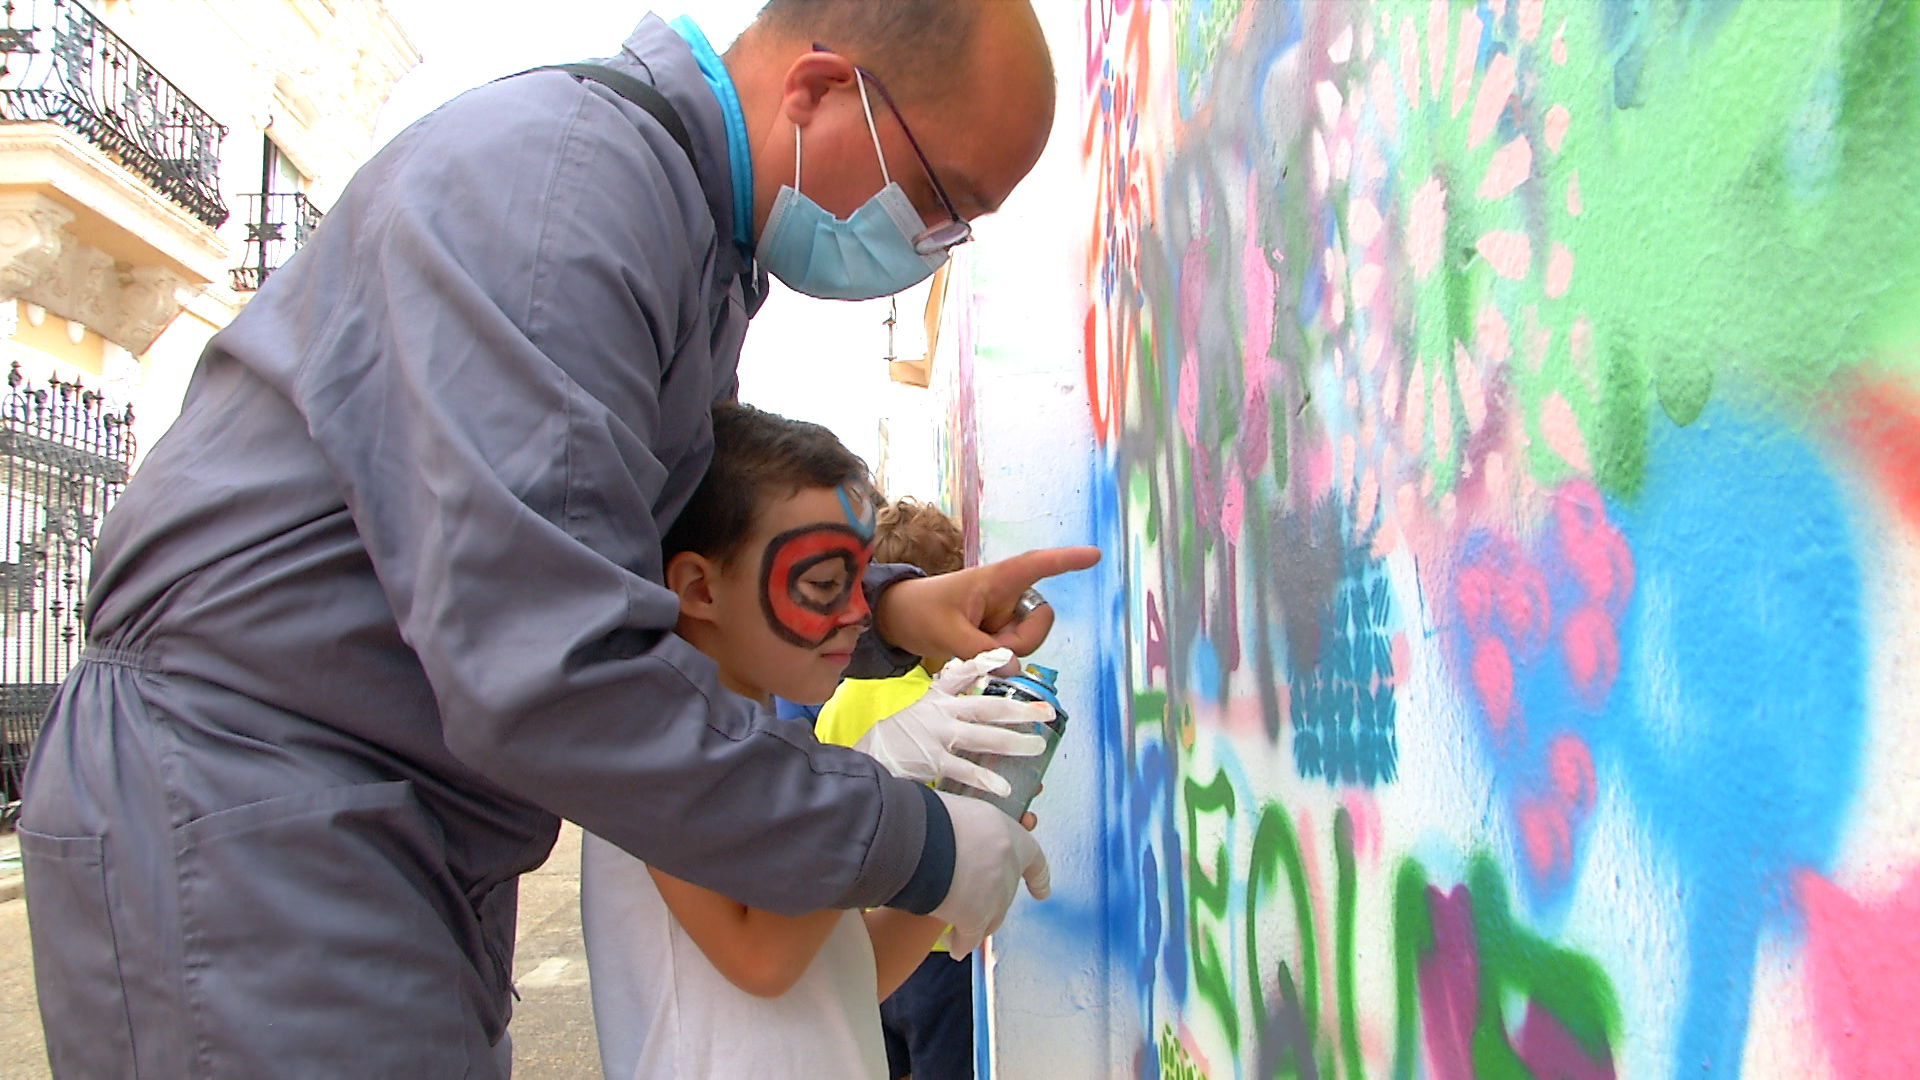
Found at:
(1034, 683)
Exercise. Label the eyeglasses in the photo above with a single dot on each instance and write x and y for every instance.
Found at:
(948, 234)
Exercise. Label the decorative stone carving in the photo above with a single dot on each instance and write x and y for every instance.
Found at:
(31, 230)
(45, 266)
(78, 284)
(149, 299)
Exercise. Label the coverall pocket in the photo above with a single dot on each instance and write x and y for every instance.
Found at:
(316, 939)
(66, 886)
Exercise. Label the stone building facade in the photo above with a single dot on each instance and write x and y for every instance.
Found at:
(158, 158)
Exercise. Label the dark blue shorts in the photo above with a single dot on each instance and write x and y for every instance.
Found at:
(928, 1022)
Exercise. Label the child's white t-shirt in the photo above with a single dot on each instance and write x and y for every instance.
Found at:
(662, 1011)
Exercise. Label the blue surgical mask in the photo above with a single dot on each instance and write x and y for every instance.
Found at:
(869, 254)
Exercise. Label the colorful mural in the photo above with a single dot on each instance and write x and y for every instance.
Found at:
(1506, 440)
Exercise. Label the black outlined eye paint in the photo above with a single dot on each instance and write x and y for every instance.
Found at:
(798, 617)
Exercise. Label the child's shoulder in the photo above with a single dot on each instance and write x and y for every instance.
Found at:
(858, 704)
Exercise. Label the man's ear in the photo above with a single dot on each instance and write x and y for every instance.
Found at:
(691, 577)
(810, 78)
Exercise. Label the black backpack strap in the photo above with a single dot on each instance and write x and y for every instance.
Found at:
(646, 97)
(753, 282)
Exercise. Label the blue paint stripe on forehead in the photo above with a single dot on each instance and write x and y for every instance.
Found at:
(862, 521)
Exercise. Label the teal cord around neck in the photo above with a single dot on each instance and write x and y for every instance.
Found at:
(739, 157)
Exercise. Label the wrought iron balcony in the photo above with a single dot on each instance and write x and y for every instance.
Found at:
(62, 65)
(277, 224)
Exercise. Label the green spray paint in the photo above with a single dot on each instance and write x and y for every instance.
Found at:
(1620, 465)
(1513, 963)
(1175, 1062)
(1346, 892)
(1736, 223)
(1412, 939)
(1149, 707)
(1747, 221)
(1686, 381)
(1212, 981)
(1513, 960)
(1276, 850)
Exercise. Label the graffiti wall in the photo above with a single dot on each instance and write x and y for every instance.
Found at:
(1503, 423)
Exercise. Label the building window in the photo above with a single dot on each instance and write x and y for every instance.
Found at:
(280, 217)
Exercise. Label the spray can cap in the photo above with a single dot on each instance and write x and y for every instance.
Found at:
(1039, 681)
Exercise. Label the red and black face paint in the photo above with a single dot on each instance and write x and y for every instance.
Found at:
(801, 613)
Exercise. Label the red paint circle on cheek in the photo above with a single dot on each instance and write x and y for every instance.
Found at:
(796, 619)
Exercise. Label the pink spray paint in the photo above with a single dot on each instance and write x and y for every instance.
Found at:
(1861, 959)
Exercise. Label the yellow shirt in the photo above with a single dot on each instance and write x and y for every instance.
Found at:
(858, 704)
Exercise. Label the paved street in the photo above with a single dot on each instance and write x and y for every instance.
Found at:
(552, 1023)
(22, 1053)
(553, 1020)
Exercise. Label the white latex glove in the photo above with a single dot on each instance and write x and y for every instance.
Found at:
(919, 741)
(966, 676)
(991, 854)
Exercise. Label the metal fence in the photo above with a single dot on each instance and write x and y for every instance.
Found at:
(277, 224)
(64, 456)
(61, 64)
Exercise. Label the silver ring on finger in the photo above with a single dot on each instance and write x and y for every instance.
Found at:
(1029, 602)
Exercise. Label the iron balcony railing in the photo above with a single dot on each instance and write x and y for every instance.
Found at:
(64, 456)
(61, 64)
(277, 224)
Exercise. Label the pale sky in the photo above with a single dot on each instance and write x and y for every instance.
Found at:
(815, 360)
(467, 42)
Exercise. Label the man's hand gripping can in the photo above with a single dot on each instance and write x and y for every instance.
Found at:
(1035, 683)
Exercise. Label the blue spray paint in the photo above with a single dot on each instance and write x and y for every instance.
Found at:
(1743, 551)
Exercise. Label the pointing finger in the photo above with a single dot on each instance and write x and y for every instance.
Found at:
(1018, 573)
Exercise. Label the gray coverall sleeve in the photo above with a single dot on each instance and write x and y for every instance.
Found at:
(873, 658)
(528, 301)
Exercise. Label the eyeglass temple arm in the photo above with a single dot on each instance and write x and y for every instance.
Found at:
(938, 191)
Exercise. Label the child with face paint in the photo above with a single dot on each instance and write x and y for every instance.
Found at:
(767, 560)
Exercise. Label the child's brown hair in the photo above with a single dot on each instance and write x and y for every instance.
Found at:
(758, 457)
(917, 533)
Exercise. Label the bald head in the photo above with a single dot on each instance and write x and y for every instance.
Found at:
(972, 79)
(920, 49)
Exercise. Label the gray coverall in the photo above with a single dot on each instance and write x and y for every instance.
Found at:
(385, 603)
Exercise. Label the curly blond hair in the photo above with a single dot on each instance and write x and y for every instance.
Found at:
(917, 533)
